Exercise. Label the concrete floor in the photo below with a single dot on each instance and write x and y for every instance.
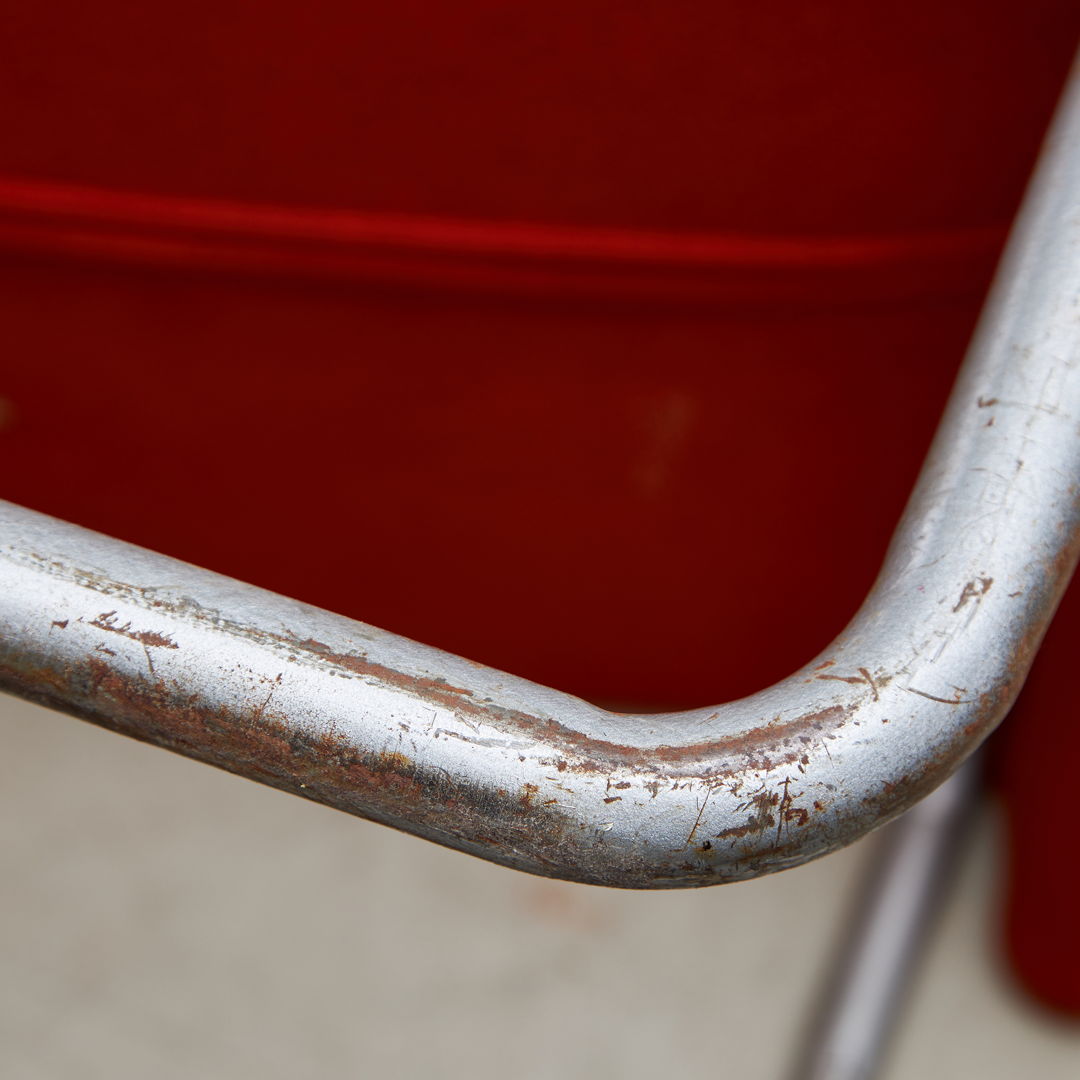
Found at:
(165, 920)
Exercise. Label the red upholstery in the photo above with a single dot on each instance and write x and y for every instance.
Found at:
(1031, 767)
(600, 342)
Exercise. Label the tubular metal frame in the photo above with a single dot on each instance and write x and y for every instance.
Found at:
(371, 723)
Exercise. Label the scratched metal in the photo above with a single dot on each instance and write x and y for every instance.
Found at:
(371, 723)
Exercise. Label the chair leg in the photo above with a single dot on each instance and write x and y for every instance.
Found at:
(904, 889)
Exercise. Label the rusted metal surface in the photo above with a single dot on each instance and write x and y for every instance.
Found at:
(359, 719)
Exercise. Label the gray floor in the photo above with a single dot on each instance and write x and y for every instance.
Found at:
(162, 919)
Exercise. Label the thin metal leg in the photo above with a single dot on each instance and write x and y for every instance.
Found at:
(903, 892)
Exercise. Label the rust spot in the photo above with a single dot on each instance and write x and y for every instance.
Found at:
(957, 700)
(974, 590)
(434, 689)
(870, 682)
(783, 814)
(857, 680)
(985, 403)
(395, 761)
(60, 623)
(737, 832)
(107, 621)
(757, 822)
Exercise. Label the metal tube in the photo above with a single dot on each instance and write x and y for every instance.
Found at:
(488, 763)
(907, 880)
